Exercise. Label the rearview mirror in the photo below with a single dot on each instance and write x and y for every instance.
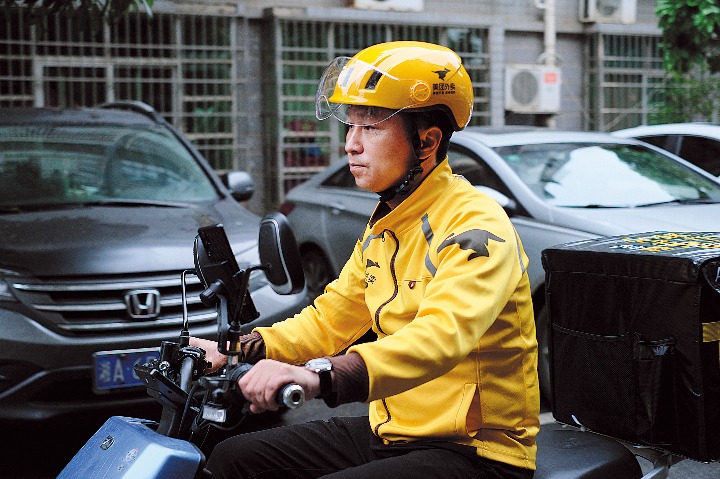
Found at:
(508, 204)
(240, 184)
(279, 255)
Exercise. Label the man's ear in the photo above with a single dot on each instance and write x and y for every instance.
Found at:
(429, 141)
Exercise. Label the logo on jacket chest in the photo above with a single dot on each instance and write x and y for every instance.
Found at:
(369, 277)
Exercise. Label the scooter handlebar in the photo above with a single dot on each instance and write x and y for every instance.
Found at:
(291, 396)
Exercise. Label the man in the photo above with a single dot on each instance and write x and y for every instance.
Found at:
(439, 275)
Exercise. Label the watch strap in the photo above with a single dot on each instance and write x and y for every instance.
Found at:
(325, 383)
(322, 367)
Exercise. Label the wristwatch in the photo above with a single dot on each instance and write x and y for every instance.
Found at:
(322, 366)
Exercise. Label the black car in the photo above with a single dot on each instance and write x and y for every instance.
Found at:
(98, 212)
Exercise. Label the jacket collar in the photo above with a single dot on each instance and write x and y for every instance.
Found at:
(416, 204)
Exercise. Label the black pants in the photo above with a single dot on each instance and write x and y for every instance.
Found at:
(345, 448)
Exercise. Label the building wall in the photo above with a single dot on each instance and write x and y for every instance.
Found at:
(236, 111)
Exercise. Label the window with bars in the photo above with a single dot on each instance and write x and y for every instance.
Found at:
(187, 67)
(626, 79)
(303, 50)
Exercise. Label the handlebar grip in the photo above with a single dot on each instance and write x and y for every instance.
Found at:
(291, 396)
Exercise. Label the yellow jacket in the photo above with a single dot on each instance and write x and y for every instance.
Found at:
(441, 279)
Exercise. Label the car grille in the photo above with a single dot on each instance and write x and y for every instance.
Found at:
(101, 307)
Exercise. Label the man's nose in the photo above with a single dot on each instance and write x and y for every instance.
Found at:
(353, 142)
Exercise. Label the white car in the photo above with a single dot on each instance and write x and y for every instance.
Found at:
(698, 143)
(557, 186)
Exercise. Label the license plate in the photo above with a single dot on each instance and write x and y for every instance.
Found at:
(114, 369)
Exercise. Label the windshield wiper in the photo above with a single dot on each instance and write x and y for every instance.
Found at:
(680, 201)
(122, 202)
(593, 206)
(10, 209)
(83, 204)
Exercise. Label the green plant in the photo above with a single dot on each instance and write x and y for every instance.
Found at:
(690, 34)
(691, 56)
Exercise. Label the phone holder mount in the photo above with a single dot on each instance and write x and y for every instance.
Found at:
(169, 378)
(227, 286)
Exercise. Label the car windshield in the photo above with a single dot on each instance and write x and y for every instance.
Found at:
(606, 175)
(65, 165)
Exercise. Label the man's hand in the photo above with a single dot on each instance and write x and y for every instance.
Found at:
(261, 384)
(216, 359)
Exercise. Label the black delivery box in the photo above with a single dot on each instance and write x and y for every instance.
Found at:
(635, 329)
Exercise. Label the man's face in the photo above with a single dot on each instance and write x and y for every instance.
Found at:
(380, 154)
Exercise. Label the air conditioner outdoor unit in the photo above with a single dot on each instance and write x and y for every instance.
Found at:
(399, 5)
(532, 88)
(608, 11)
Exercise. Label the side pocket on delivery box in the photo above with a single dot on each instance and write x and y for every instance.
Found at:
(653, 364)
(593, 383)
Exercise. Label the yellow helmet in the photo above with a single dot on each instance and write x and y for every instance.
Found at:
(397, 76)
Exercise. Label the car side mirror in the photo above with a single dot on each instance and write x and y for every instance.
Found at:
(508, 204)
(240, 184)
(279, 254)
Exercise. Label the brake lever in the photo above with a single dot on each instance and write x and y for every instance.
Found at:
(223, 392)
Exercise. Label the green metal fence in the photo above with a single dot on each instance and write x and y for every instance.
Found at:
(188, 67)
(242, 89)
(302, 50)
(626, 80)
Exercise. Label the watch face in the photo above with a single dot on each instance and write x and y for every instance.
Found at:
(319, 364)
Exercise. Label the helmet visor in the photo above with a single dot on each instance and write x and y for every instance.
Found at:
(342, 88)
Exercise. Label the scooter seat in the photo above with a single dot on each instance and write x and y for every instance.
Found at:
(568, 453)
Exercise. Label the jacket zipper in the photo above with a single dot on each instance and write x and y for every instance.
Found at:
(377, 316)
(394, 277)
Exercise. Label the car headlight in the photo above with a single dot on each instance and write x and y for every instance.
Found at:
(6, 293)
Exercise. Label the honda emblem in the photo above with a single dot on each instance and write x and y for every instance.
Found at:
(143, 303)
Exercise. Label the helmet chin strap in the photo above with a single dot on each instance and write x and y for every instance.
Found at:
(401, 188)
(404, 187)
